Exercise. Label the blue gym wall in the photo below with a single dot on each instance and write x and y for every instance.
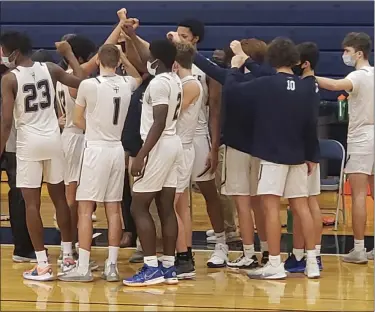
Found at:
(325, 23)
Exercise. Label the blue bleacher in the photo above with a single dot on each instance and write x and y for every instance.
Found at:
(325, 23)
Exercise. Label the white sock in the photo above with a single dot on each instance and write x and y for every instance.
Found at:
(359, 244)
(263, 246)
(41, 257)
(112, 254)
(317, 249)
(151, 261)
(311, 255)
(168, 261)
(275, 260)
(298, 253)
(67, 249)
(248, 251)
(84, 260)
(220, 238)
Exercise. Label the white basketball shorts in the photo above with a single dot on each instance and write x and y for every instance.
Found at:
(161, 166)
(185, 168)
(360, 163)
(202, 146)
(313, 182)
(103, 172)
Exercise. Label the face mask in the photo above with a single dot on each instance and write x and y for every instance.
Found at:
(297, 70)
(7, 63)
(349, 60)
(151, 71)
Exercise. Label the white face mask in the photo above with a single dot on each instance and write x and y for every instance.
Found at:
(7, 63)
(349, 60)
(151, 71)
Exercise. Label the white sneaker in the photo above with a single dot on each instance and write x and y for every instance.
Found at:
(244, 263)
(93, 217)
(230, 237)
(210, 233)
(219, 258)
(370, 255)
(312, 269)
(358, 257)
(268, 272)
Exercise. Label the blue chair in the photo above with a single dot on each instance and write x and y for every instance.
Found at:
(333, 150)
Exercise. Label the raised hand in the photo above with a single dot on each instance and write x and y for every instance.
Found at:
(238, 60)
(236, 47)
(122, 14)
(63, 47)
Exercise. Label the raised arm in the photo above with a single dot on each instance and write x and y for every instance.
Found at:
(141, 45)
(58, 74)
(8, 95)
(335, 84)
(211, 69)
(133, 56)
(130, 70)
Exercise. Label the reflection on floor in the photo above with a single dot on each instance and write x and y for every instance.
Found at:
(342, 287)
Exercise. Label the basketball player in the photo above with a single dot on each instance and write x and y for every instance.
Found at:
(186, 126)
(72, 137)
(155, 166)
(104, 101)
(284, 138)
(360, 152)
(29, 90)
(296, 262)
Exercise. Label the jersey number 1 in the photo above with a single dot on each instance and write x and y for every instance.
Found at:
(177, 111)
(116, 111)
(32, 89)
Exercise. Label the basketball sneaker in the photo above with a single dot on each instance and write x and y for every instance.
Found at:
(210, 233)
(219, 258)
(244, 263)
(75, 275)
(170, 275)
(292, 265)
(268, 272)
(358, 257)
(66, 266)
(31, 257)
(147, 275)
(370, 255)
(136, 257)
(265, 257)
(185, 269)
(312, 269)
(320, 264)
(39, 274)
(110, 273)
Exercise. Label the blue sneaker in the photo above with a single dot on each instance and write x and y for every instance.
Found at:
(294, 266)
(146, 276)
(170, 275)
(320, 264)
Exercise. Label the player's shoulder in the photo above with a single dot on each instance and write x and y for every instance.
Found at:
(89, 83)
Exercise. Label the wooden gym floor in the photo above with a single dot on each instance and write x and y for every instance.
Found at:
(342, 287)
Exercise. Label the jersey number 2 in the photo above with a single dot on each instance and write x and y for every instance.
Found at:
(116, 103)
(32, 89)
(177, 111)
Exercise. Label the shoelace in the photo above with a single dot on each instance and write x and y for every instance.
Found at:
(141, 271)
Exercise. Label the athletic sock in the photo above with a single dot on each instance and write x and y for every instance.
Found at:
(248, 251)
(112, 254)
(220, 238)
(275, 261)
(311, 255)
(67, 250)
(168, 261)
(41, 257)
(84, 260)
(263, 246)
(359, 244)
(151, 261)
(298, 253)
(317, 250)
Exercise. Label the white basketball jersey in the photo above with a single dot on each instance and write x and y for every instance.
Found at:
(202, 127)
(36, 122)
(66, 103)
(188, 120)
(105, 115)
(165, 88)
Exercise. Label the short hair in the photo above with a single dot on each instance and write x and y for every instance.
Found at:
(42, 55)
(109, 55)
(254, 48)
(282, 52)
(308, 51)
(196, 27)
(165, 51)
(14, 40)
(359, 41)
(185, 55)
(66, 37)
(82, 47)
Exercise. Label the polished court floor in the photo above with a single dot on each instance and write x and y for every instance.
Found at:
(342, 287)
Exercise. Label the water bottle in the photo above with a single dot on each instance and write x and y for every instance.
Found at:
(343, 108)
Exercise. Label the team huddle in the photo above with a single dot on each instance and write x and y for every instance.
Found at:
(242, 126)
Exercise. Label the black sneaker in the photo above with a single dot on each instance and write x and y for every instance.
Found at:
(265, 257)
(28, 258)
(185, 269)
(244, 263)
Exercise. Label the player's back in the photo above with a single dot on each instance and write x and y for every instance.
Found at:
(66, 103)
(188, 120)
(108, 99)
(34, 112)
(202, 127)
(165, 88)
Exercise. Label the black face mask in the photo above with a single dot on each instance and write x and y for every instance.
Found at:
(297, 70)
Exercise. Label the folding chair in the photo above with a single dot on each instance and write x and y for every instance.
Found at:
(333, 150)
